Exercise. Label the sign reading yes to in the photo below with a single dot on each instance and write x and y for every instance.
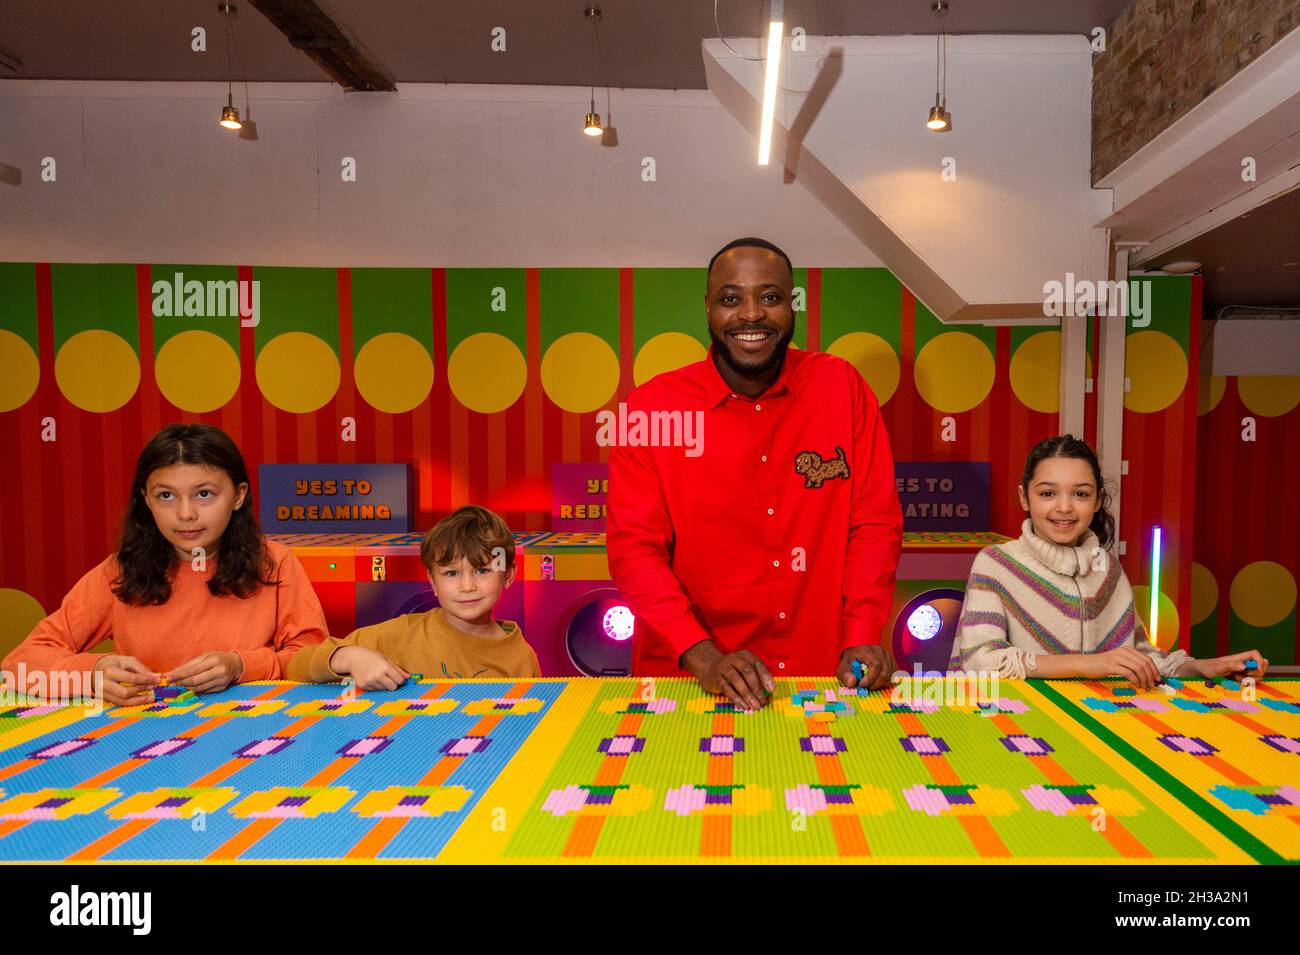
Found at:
(339, 498)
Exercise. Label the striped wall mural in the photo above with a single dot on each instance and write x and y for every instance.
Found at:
(480, 379)
(1247, 547)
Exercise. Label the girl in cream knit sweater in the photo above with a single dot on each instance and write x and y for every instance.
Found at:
(1055, 603)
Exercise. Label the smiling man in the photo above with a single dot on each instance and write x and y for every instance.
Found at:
(772, 552)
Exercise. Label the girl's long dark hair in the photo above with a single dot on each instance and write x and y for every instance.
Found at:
(147, 561)
(1068, 446)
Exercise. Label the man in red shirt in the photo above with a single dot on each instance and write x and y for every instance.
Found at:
(768, 543)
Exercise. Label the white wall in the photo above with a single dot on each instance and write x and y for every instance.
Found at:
(1021, 209)
(454, 176)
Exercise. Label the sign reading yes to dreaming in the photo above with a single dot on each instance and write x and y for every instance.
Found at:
(338, 498)
(943, 495)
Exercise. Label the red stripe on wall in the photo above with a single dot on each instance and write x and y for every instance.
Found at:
(1007, 416)
(1187, 490)
(440, 444)
(47, 524)
(903, 419)
(534, 410)
(252, 407)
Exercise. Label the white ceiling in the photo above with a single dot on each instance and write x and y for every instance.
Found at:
(650, 44)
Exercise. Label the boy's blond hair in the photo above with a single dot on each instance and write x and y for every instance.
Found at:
(472, 532)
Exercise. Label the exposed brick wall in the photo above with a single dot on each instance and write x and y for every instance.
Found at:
(1165, 56)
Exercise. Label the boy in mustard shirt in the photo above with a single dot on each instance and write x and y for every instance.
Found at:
(470, 557)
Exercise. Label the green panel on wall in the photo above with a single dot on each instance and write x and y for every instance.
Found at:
(94, 297)
(929, 327)
(392, 300)
(668, 300)
(473, 299)
(579, 300)
(861, 300)
(298, 300)
(18, 301)
(1276, 643)
(1168, 301)
(1205, 637)
(219, 302)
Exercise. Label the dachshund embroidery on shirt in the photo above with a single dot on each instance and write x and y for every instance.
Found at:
(816, 471)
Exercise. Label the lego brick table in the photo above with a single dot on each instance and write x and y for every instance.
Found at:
(620, 770)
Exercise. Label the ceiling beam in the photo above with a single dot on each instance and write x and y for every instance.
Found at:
(310, 27)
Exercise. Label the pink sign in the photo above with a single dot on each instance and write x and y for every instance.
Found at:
(578, 496)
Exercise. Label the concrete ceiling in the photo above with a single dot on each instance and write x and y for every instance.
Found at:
(650, 45)
(1251, 260)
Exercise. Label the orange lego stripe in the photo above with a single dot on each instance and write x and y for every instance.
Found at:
(582, 839)
(373, 842)
(715, 841)
(110, 840)
(984, 837)
(243, 840)
(850, 840)
(1125, 843)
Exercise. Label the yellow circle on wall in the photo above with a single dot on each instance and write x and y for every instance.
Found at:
(487, 372)
(19, 614)
(197, 371)
(1269, 395)
(873, 357)
(22, 371)
(97, 370)
(1208, 398)
(580, 372)
(1167, 632)
(394, 372)
(1262, 593)
(1156, 367)
(1036, 372)
(297, 372)
(1205, 593)
(667, 351)
(954, 372)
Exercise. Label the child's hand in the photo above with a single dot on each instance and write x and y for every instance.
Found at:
(1133, 665)
(1234, 664)
(127, 681)
(209, 672)
(370, 669)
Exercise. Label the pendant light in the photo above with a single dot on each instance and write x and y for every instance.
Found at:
(940, 120)
(229, 112)
(591, 124)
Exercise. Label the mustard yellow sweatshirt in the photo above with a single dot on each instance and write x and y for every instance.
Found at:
(425, 643)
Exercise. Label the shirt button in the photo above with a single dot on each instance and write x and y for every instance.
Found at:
(770, 511)
(781, 615)
(765, 457)
(758, 407)
(780, 666)
(776, 563)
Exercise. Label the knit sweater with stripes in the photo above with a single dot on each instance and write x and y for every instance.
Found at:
(1032, 596)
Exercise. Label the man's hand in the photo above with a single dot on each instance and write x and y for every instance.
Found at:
(741, 676)
(208, 672)
(877, 666)
(370, 669)
(127, 681)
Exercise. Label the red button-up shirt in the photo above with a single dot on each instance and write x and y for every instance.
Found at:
(767, 538)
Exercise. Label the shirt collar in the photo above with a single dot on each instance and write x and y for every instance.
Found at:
(716, 389)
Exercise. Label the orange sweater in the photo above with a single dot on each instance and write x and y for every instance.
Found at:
(265, 629)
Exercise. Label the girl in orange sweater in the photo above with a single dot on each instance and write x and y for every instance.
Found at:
(194, 594)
